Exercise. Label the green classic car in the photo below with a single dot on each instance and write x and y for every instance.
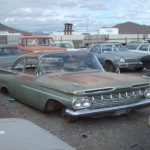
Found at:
(74, 82)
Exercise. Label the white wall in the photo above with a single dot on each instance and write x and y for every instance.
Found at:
(108, 31)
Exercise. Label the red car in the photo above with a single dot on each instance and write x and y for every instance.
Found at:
(37, 43)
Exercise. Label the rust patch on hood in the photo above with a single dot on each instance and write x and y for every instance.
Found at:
(86, 78)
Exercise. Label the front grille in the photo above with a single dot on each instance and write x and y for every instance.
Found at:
(122, 95)
(119, 98)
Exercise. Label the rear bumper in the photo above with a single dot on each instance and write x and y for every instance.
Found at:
(116, 110)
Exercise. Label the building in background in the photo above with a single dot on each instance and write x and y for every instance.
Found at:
(9, 39)
(109, 31)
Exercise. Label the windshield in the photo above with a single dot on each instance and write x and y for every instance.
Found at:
(113, 47)
(40, 42)
(69, 62)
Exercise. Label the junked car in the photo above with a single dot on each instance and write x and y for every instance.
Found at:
(146, 61)
(143, 48)
(8, 56)
(115, 55)
(36, 43)
(74, 82)
(68, 45)
(133, 45)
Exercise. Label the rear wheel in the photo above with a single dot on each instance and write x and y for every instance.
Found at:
(109, 66)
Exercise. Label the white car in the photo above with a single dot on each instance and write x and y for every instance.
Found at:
(142, 48)
(68, 45)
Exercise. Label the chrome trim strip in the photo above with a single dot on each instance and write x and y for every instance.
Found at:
(27, 87)
(98, 91)
(139, 85)
(146, 76)
(83, 112)
(130, 63)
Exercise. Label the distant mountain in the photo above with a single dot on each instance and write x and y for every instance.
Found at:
(132, 28)
(12, 30)
(124, 28)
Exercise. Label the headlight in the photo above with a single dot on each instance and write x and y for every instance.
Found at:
(147, 93)
(77, 103)
(81, 102)
(86, 102)
(122, 60)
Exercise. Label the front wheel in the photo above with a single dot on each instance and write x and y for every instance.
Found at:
(68, 118)
(109, 66)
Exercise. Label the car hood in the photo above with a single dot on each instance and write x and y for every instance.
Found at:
(29, 49)
(126, 54)
(71, 83)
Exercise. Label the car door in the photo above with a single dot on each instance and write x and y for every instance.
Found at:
(25, 77)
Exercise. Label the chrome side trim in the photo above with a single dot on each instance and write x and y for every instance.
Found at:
(146, 76)
(89, 111)
(95, 91)
(27, 87)
(140, 85)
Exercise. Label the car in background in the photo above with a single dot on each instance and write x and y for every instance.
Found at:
(143, 48)
(146, 61)
(114, 56)
(73, 82)
(8, 56)
(29, 44)
(69, 46)
(133, 45)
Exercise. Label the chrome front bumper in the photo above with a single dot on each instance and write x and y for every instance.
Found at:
(130, 65)
(117, 110)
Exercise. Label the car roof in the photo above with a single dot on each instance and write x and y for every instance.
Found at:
(36, 36)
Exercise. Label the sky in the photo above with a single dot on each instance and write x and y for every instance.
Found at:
(85, 15)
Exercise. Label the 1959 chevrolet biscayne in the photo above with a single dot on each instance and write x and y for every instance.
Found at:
(74, 81)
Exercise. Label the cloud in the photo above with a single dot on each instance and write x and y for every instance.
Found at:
(50, 15)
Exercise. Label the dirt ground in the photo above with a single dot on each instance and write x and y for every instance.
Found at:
(127, 132)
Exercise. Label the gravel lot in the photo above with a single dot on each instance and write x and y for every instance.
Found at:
(127, 132)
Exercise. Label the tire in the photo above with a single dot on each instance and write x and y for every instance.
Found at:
(109, 66)
(68, 118)
(139, 69)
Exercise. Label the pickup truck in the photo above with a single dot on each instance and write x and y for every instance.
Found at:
(37, 43)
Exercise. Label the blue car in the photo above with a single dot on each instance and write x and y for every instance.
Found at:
(115, 56)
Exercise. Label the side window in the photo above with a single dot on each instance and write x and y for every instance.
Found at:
(144, 48)
(27, 65)
(19, 66)
(24, 42)
(96, 49)
(32, 42)
(31, 66)
(106, 48)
